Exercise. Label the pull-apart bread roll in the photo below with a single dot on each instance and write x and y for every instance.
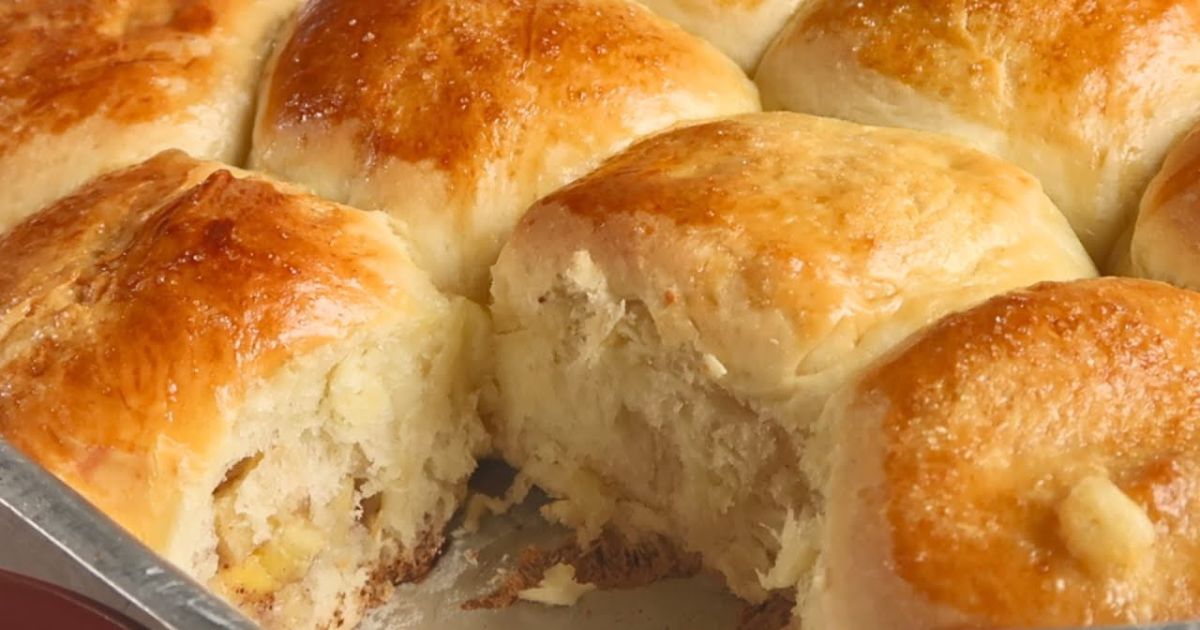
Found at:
(1087, 96)
(455, 115)
(1165, 242)
(93, 85)
(670, 325)
(1034, 461)
(741, 29)
(257, 383)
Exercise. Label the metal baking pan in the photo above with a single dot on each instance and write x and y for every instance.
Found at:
(50, 533)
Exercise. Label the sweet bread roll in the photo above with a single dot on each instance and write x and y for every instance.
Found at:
(93, 85)
(1165, 242)
(669, 326)
(741, 29)
(257, 383)
(1087, 97)
(455, 115)
(1031, 462)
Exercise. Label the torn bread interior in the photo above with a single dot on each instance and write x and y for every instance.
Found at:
(257, 383)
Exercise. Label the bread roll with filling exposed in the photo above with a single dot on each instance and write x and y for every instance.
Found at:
(256, 383)
(1032, 462)
(1088, 97)
(669, 326)
(93, 85)
(1165, 241)
(741, 29)
(455, 115)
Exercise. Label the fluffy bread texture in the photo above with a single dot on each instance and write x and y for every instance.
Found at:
(669, 326)
(1164, 243)
(1088, 97)
(741, 29)
(1031, 462)
(455, 115)
(94, 85)
(257, 383)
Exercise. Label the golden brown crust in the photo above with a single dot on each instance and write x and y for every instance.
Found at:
(719, 179)
(154, 293)
(63, 62)
(992, 417)
(454, 116)
(849, 234)
(1166, 239)
(1088, 97)
(91, 85)
(1066, 52)
(471, 77)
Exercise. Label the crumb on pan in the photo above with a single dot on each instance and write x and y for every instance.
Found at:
(557, 588)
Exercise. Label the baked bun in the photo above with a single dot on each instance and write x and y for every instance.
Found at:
(1165, 242)
(258, 384)
(94, 85)
(455, 115)
(1087, 97)
(1030, 462)
(741, 29)
(669, 326)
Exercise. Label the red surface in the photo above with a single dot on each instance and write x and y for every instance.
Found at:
(28, 604)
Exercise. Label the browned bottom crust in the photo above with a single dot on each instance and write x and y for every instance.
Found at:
(389, 572)
(406, 567)
(611, 562)
(773, 614)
